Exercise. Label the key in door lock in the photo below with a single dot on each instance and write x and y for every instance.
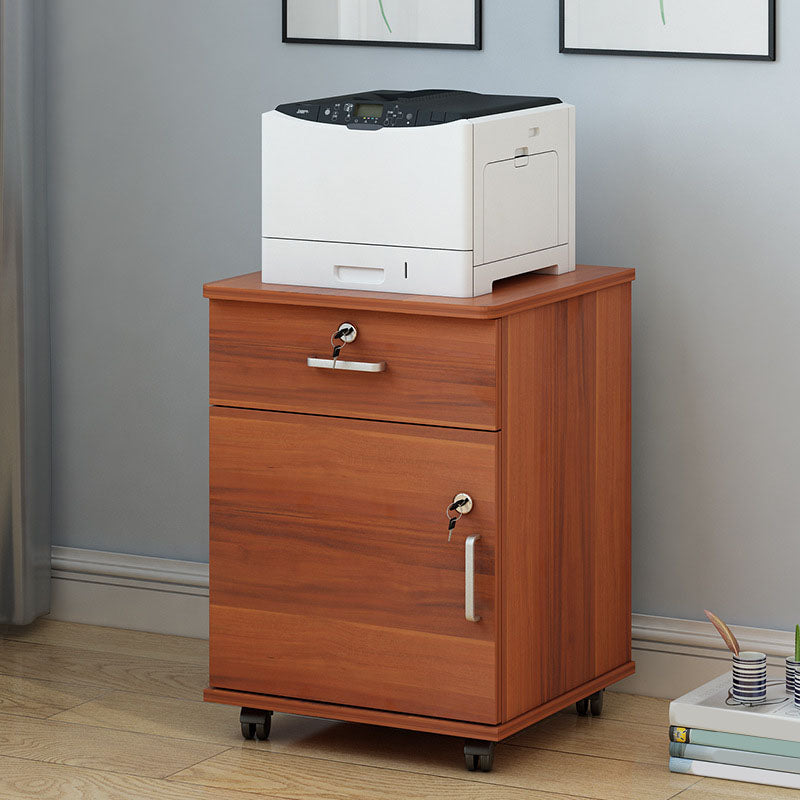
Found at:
(345, 334)
(462, 504)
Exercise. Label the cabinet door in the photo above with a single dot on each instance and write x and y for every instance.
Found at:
(331, 575)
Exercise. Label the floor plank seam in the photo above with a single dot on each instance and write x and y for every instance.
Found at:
(84, 766)
(77, 705)
(108, 728)
(686, 789)
(586, 755)
(5, 674)
(196, 764)
(223, 747)
(116, 653)
(130, 775)
(103, 693)
(106, 689)
(384, 768)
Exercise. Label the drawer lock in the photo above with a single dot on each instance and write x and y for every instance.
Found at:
(345, 334)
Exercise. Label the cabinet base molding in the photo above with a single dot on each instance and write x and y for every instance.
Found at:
(391, 719)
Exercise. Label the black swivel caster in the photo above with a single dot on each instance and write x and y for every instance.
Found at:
(255, 723)
(594, 703)
(479, 755)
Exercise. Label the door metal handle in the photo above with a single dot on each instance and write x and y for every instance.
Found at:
(469, 578)
(353, 366)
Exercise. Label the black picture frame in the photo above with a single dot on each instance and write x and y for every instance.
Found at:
(477, 45)
(770, 56)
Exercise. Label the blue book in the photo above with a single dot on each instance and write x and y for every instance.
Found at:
(741, 758)
(734, 741)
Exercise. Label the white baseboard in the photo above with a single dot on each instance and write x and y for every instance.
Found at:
(675, 655)
(165, 596)
(123, 591)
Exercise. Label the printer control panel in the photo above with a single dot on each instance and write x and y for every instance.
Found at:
(390, 109)
(356, 113)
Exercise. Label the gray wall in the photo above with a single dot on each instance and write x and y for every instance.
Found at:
(688, 170)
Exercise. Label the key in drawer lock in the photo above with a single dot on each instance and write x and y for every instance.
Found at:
(345, 334)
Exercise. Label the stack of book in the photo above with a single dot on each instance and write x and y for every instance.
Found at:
(712, 737)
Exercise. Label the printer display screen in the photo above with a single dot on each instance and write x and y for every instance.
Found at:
(368, 110)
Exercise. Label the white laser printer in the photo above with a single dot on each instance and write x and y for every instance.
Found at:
(430, 192)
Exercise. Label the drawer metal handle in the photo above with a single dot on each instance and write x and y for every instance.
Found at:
(353, 366)
(469, 578)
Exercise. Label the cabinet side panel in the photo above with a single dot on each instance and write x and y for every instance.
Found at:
(528, 514)
(549, 546)
(611, 544)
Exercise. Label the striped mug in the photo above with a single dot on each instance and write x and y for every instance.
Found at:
(750, 677)
(797, 691)
(792, 668)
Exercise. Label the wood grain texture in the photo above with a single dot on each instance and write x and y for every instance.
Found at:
(611, 540)
(353, 664)
(565, 541)
(635, 708)
(156, 715)
(508, 297)
(37, 698)
(344, 512)
(105, 670)
(298, 778)
(31, 780)
(112, 640)
(309, 757)
(448, 727)
(345, 520)
(522, 767)
(438, 371)
(46, 740)
(331, 575)
(597, 736)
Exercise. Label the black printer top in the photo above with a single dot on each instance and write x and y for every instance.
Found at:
(386, 108)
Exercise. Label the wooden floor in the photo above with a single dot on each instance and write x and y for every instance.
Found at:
(91, 713)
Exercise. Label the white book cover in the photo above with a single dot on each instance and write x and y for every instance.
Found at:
(707, 769)
(710, 708)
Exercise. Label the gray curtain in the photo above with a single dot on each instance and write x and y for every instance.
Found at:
(24, 318)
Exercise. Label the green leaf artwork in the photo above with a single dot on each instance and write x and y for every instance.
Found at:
(389, 27)
(663, 13)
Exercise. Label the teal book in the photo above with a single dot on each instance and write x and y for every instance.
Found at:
(734, 741)
(740, 758)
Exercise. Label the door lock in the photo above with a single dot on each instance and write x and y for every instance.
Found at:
(462, 504)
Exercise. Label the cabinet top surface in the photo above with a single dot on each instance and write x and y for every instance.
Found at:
(509, 296)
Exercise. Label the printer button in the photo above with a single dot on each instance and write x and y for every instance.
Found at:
(437, 116)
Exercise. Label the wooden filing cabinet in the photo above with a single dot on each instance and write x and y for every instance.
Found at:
(334, 589)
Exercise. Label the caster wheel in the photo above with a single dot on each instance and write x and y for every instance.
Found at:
(479, 755)
(596, 703)
(593, 704)
(255, 723)
(263, 729)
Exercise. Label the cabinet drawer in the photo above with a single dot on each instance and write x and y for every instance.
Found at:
(438, 371)
(332, 577)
